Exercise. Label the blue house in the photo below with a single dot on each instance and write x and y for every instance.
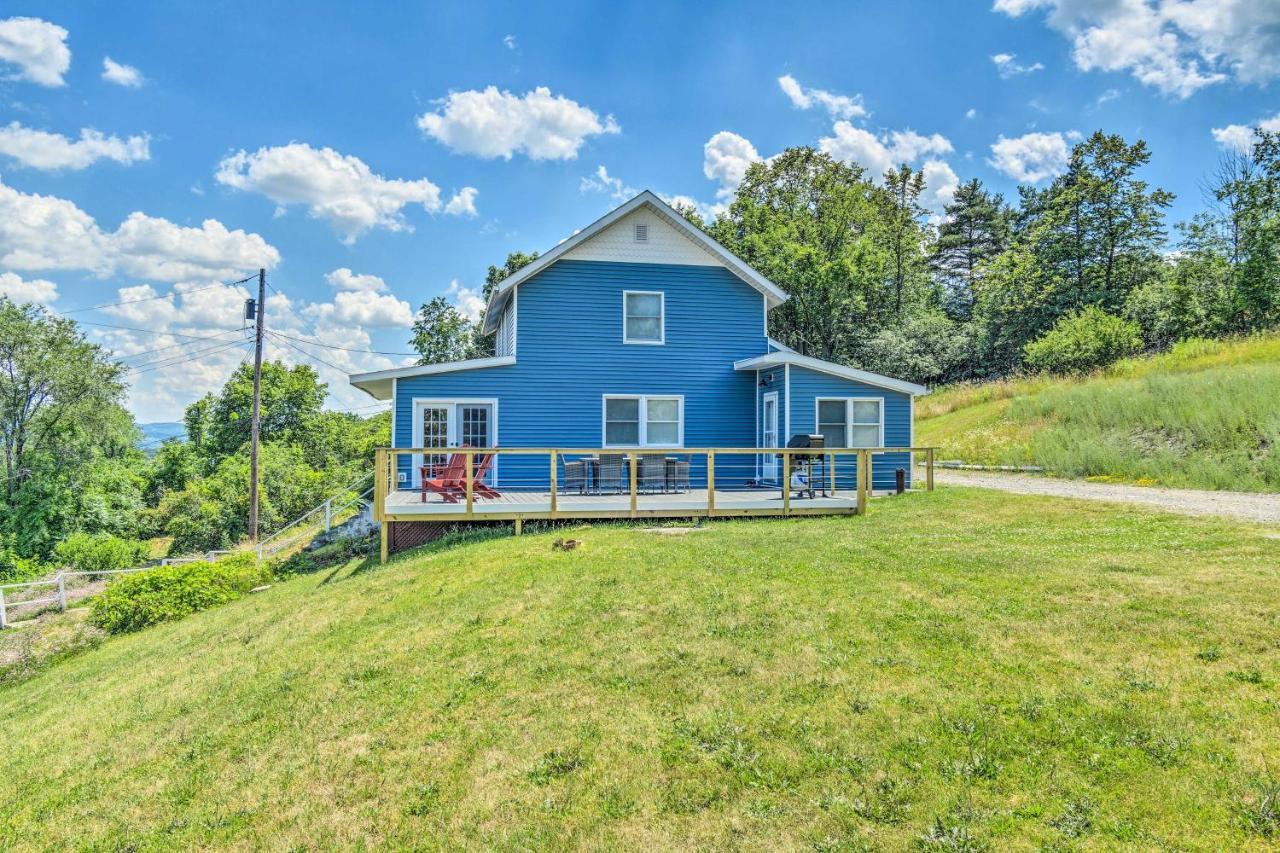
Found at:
(640, 333)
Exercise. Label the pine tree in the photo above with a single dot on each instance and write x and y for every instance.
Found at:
(976, 229)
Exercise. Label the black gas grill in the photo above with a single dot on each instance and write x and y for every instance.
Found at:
(805, 464)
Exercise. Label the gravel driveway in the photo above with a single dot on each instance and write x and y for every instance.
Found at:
(1242, 505)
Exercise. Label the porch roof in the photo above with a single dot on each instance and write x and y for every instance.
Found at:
(380, 384)
(779, 359)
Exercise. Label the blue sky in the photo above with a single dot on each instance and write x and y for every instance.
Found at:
(377, 155)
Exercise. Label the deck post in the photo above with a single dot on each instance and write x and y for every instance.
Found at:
(553, 484)
(834, 458)
(786, 483)
(383, 533)
(928, 469)
(711, 482)
(632, 459)
(379, 483)
(519, 525)
(864, 459)
(471, 478)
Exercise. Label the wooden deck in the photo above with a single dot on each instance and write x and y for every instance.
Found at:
(408, 506)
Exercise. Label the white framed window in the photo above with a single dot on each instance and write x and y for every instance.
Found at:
(643, 317)
(850, 421)
(638, 420)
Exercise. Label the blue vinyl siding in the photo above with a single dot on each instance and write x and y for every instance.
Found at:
(806, 386)
(570, 353)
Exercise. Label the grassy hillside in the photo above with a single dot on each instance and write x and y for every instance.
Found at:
(1205, 415)
(1019, 671)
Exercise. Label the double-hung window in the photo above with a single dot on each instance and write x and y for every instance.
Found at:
(643, 421)
(642, 317)
(851, 421)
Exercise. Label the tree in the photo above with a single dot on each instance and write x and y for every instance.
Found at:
(482, 345)
(904, 237)
(811, 224)
(290, 397)
(976, 229)
(441, 333)
(69, 460)
(1248, 193)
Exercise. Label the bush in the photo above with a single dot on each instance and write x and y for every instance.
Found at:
(14, 568)
(927, 348)
(1083, 341)
(100, 552)
(169, 593)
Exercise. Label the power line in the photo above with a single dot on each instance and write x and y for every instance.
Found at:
(309, 355)
(166, 363)
(153, 331)
(344, 349)
(152, 298)
(184, 356)
(181, 344)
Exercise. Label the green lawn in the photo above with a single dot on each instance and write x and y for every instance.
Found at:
(1016, 671)
(1205, 415)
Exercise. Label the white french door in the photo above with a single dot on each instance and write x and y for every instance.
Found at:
(451, 423)
(769, 435)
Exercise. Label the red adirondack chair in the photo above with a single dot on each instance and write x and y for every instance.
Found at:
(451, 484)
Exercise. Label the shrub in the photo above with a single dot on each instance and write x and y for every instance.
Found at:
(100, 552)
(14, 568)
(1083, 341)
(169, 593)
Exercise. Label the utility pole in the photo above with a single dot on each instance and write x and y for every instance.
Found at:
(257, 404)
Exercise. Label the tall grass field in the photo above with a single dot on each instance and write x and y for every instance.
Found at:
(961, 670)
(1204, 415)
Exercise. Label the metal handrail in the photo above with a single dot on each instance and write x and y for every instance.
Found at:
(326, 503)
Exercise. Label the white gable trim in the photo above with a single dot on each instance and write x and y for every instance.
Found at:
(774, 295)
(776, 359)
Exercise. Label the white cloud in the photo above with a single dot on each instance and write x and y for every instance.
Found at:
(491, 124)
(940, 183)
(725, 158)
(372, 310)
(344, 279)
(837, 106)
(340, 189)
(39, 149)
(1032, 157)
(40, 232)
(1175, 46)
(880, 153)
(1008, 66)
(121, 74)
(602, 182)
(510, 42)
(22, 290)
(38, 49)
(466, 300)
(971, 113)
(1108, 95)
(1240, 137)
(463, 203)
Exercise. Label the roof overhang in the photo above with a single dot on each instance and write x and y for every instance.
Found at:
(779, 359)
(773, 294)
(380, 385)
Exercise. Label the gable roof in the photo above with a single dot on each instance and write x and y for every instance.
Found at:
(773, 294)
(778, 359)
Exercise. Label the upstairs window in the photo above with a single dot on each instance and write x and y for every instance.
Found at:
(642, 317)
(640, 421)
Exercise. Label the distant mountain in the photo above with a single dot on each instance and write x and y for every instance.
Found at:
(155, 433)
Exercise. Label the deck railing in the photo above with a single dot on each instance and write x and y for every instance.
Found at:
(554, 482)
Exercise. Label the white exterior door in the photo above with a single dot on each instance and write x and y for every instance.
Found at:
(450, 423)
(769, 435)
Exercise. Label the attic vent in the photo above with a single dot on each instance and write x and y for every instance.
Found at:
(642, 233)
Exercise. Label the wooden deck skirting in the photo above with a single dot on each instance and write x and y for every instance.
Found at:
(394, 506)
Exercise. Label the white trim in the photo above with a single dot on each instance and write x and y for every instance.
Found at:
(848, 415)
(786, 383)
(643, 400)
(769, 460)
(381, 380)
(774, 359)
(395, 399)
(734, 264)
(515, 326)
(662, 316)
(778, 345)
(451, 425)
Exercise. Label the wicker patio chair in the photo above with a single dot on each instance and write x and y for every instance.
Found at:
(575, 476)
(609, 473)
(653, 472)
